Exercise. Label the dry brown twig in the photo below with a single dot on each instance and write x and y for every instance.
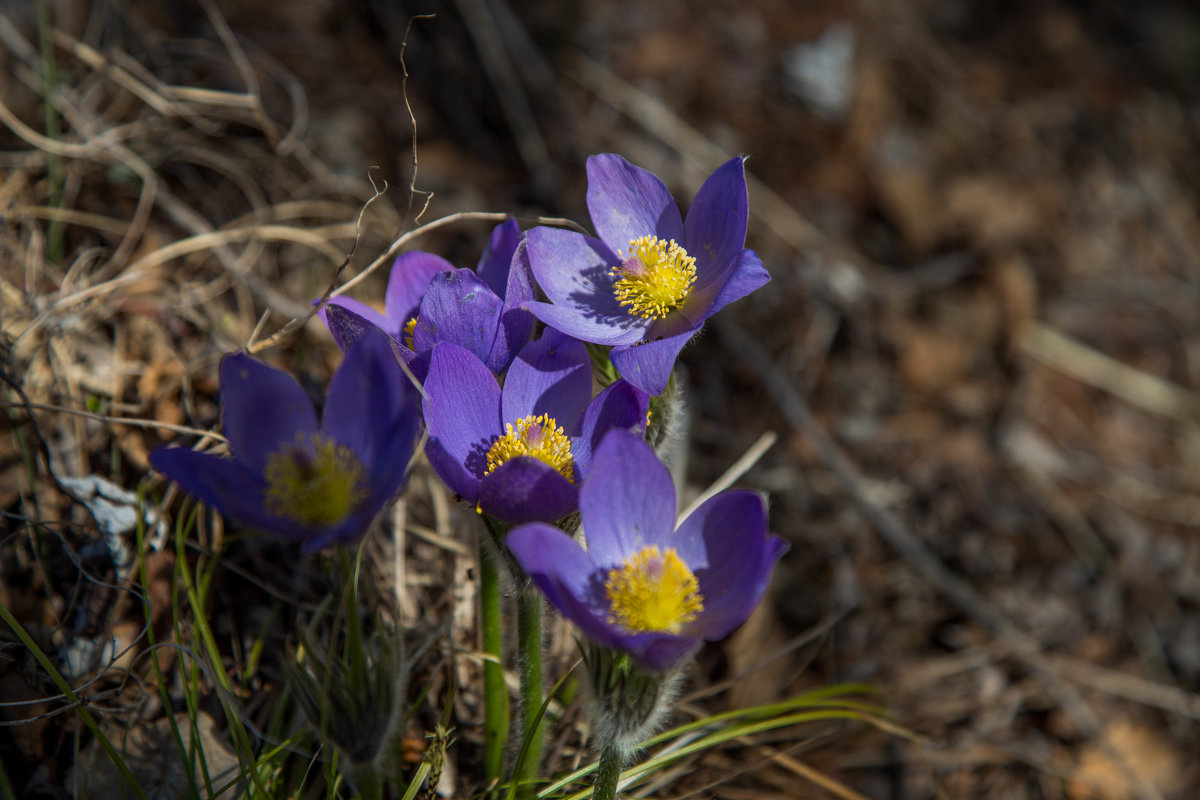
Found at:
(1136, 387)
(460, 216)
(499, 69)
(308, 313)
(736, 470)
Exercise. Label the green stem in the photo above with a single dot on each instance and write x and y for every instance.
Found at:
(529, 635)
(608, 774)
(495, 694)
(602, 366)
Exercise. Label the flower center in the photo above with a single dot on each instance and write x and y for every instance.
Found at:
(655, 278)
(653, 591)
(313, 480)
(409, 327)
(539, 437)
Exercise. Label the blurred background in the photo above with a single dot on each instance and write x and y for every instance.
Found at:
(975, 365)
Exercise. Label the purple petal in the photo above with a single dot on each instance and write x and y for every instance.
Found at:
(626, 202)
(459, 308)
(411, 273)
(261, 408)
(417, 363)
(520, 286)
(661, 651)
(524, 489)
(744, 594)
(700, 539)
(516, 324)
(349, 531)
(575, 271)
(648, 365)
(748, 275)
(347, 326)
(677, 322)
(494, 264)
(715, 230)
(726, 544)
(628, 501)
(585, 327)
(567, 576)
(372, 408)
(621, 406)
(462, 415)
(358, 311)
(224, 485)
(552, 375)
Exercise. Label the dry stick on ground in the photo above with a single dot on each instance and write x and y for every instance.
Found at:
(103, 145)
(1136, 387)
(400, 241)
(735, 471)
(481, 26)
(103, 148)
(406, 604)
(809, 774)
(147, 424)
(239, 267)
(245, 70)
(1018, 643)
(1131, 687)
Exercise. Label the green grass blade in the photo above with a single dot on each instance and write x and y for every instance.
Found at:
(525, 746)
(826, 700)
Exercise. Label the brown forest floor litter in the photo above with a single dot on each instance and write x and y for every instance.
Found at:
(978, 350)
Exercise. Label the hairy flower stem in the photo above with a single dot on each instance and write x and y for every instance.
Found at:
(608, 773)
(602, 366)
(495, 694)
(529, 635)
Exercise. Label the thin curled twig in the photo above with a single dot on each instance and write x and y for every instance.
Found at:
(253, 346)
(459, 216)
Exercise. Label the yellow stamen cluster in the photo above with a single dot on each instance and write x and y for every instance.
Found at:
(537, 436)
(655, 278)
(409, 327)
(313, 480)
(653, 591)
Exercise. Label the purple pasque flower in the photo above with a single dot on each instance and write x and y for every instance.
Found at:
(429, 301)
(652, 278)
(407, 282)
(321, 484)
(519, 453)
(642, 585)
